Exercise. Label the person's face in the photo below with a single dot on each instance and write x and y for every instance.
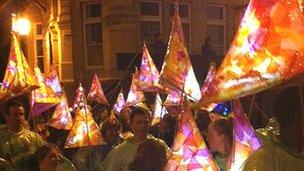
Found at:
(15, 117)
(125, 114)
(111, 136)
(215, 140)
(140, 125)
(51, 160)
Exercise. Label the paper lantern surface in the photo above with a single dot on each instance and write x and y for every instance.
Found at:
(177, 71)
(148, 74)
(85, 131)
(135, 95)
(96, 92)
(267, 49)
(62, 118)
(189, 150)
(78, 98)
(245, 140)
(119, 104)
(159, 110)
(52, 80)
(173, 98)
(19, 77)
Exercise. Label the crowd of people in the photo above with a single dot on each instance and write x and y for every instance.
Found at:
(131, 143)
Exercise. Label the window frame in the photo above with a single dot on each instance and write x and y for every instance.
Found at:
(36, 38)
(218, 22)
(91, 20)
(151, 18)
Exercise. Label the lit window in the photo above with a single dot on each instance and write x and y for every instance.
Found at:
(93, 35)
(39, 47)
(216, 28)
(150, 20)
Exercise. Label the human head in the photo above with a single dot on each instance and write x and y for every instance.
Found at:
(124, 118)
(220, 136)
(150, 156)
(140, 123)
(14, 115)
(47, 157)
(202, 119)
(110, 130)
(287, 110)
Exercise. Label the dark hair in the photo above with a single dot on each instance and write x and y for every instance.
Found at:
(138, 111)
(286, 106)
(151, 156)
(40, 154)
(10, 104)
(223, 126)
(109, 123)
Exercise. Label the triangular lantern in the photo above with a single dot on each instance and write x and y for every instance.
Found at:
(44, 97)
(177, 71)
(19, 77)
(62, 118)
(96, 92)
(173, 99)
(119, 104)
(135, 96)
(267, 49)
(189, 150)
(52, 80)
(85, 131)
(159, 110)
(148, 74)
(79, 95)
(245, 140)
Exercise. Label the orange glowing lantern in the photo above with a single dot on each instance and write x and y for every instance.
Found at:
(159, 110)
(120, 102)
(96, 92)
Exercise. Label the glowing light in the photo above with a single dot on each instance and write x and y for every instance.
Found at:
(21, 25)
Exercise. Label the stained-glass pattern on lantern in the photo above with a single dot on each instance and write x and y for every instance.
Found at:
(19, 77)
(62, 118)
(177, 71)
(51, 79)
(245, 140)
(173, 98)
(85, 131)
(135, 96)
(159, 110)
(119, 104)
(148, 73)
(267, 49)
(43, 97)
(189, 150)
(96, 92)
(78, 98)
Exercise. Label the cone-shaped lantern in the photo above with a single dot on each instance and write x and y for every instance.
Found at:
(85, 131)
(43, 97)
(79, 95)
(51, 79)
(189, 150)
(96, 92)
(173, 99)
(119, 104)
(177, 71)
(148, 73)
(159, 110)
(268, 48)
(19, 77)
(62, 118)
(135, 96)
(245, 140)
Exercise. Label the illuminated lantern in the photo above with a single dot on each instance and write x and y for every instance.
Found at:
(173, 99)
(51, 79)
(159, 110)
(85, 131)
(135, 96)
(119, 104)
(267, 49)
(78, 99)
(61, 118)
(245, 140)
(189, 150)
(96, 92)
(43, 97)
(148, 73)
(19, 77)
(177, 71)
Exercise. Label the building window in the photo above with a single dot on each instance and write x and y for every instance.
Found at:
(39, 47)
(185, 15)
(216, 27)
(92, 35)
(150, 20)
